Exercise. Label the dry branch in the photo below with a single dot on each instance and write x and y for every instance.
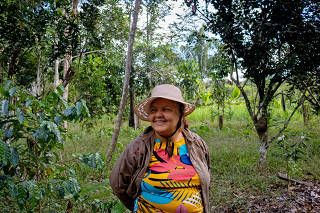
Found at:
(285, 177)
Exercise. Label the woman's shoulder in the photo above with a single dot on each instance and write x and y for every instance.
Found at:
(142, 140)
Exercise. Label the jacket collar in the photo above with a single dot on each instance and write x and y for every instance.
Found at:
(149, 132)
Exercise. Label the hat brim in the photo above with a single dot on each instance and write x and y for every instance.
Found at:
(142, 109)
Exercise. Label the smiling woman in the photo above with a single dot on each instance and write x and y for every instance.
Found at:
(166, 168)
(164, 116)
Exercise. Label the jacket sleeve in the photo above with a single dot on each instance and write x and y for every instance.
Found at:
(121, 174)
(205, 150)
(207, 154)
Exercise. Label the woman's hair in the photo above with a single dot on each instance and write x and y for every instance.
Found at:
(183, 119)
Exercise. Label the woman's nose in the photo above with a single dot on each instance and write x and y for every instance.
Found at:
(158, 113)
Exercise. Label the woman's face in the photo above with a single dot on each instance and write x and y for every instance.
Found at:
(164, 116)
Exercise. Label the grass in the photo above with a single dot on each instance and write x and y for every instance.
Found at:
(234, 152)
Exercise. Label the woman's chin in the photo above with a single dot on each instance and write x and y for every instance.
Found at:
(162, 131)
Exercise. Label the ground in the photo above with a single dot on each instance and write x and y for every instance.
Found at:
(294, 199)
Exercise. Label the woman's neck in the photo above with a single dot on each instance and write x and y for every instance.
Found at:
(177, 136)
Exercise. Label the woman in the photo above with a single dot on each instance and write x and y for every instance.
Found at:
(166, 168)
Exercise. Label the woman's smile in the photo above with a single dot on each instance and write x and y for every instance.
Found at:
(164, 116)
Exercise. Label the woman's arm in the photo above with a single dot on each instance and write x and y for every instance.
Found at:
(121, 174)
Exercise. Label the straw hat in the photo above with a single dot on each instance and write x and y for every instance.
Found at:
(166, 91)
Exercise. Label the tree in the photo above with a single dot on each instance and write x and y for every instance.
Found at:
(272, 43)
(22, 24)
(147, 53)
(115, 135)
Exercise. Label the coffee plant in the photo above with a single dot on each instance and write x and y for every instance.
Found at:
(31, 134)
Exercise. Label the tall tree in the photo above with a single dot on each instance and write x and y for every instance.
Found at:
(272, 43)
(115, 135)
(68, 73)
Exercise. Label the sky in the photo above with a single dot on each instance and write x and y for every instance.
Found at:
(178, 7)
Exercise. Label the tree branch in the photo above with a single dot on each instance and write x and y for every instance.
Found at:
(286, 177)
(269, 93)
(316, 101)
(287, 122)
(85, 53)
(244, 84)
(255, 101)
(244, 94)
(237, 74)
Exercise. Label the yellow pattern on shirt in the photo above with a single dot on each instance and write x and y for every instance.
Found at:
(177, 185)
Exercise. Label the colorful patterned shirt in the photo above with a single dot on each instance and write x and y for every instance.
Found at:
(170, 184)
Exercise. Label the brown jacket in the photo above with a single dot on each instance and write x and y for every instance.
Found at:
(127, 174)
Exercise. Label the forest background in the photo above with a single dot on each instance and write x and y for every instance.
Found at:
(69, 67)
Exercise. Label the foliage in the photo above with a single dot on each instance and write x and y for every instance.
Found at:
(256, 35)
(99, 83)
(188, 74)
(22, 25)
(93, 160)
(33, 37)
(271, 42)
(292, 151)
(31, 134)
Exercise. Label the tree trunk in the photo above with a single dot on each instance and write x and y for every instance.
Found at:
(125, 83)
(136, 122)
(13, 61)
(263, 148)
(132, 103)
(305, 114)
(261, 126)
(221, 116)
(68, 74)
(66, 66)
(56, 74)
(39, 74)
(220, 122)
(36, 86)
(56, 80)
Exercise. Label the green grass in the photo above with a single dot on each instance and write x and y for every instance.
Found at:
(234, 152)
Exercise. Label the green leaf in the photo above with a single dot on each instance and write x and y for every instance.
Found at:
(5, 154)
(53, 128)
(79, 107)
(5, 89)
(73, 187)
(93, 160)
(60, 89)
(7, 132)
(14, 156)
(4, 107)
(34, 193)
(28, 103)
(69, 112)
(20, 115)
(12, 91)
(61, 191)
(57, 119)
(65, 104)
(85, 107)
(235, 93)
